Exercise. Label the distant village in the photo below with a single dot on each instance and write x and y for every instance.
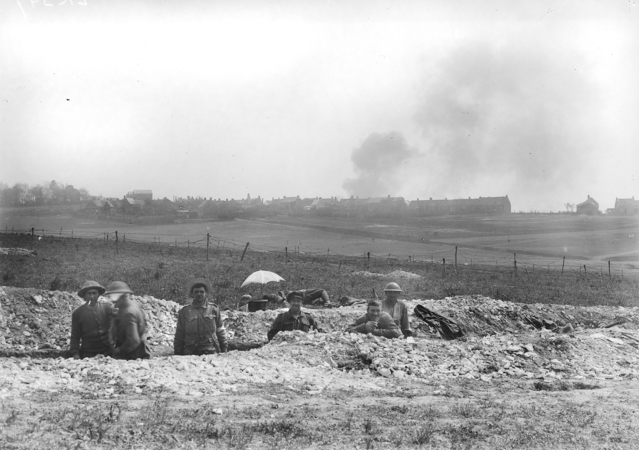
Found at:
(141, 202)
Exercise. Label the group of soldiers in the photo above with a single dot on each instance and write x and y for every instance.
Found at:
(117, 328)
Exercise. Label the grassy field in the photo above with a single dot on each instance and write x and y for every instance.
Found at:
(162, 271)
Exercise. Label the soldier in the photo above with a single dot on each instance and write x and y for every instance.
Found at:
(376, 322)
(200, 330)
(90, 324)
(396, 308)
(128, 328)
(294, 318)
(315, 297)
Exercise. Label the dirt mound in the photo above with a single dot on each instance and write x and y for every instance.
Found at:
(40, 320)
(395, 274)
(17, 251)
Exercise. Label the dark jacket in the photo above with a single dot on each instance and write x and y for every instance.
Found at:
(386, 326)
(128, 332)
(199, 330)
(90, 329)
(287, 322)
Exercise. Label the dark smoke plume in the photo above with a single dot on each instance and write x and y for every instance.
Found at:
(520, 113)
(378, 162)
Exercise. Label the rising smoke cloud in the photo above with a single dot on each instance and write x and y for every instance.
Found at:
(521, 115)
(378, 165)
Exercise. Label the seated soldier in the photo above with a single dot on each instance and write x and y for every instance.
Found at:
(294, 318)
(376, 322)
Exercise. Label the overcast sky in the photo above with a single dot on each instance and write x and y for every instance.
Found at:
(537, 100)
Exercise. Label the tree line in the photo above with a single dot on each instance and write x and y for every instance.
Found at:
(47, 193)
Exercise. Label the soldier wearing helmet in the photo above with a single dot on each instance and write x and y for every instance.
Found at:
(90, 323)
(396, 308)
(128, 327)
(200, 330)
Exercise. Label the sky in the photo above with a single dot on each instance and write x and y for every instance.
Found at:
(537, 100)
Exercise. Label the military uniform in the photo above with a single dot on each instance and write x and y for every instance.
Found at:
(386, 326)
(288, 322)
(90, 330)
(128, 332)
(200, 330)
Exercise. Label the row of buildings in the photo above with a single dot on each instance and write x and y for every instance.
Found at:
(142, 202)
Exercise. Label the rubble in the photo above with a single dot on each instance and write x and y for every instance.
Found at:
(503, 343)
(14, 251)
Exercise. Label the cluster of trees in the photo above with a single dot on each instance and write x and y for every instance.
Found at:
(48, 193)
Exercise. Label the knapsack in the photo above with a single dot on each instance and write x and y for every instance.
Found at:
(447, 328)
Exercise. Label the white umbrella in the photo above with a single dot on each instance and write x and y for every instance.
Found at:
(262, 277)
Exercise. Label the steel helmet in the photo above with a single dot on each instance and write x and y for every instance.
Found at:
(118, 287)
(392, 287)
(91, 285)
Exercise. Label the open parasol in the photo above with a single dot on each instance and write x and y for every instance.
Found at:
(262, 277)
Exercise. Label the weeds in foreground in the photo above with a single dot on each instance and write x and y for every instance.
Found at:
(423, 434)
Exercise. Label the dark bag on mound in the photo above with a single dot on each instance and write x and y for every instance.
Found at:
(447, 328)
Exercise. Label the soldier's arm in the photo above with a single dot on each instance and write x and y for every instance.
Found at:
(221, 333)
(178, 341)
(275, 328)
(358, 326)
(76, 334)
(315, 325)
(132, 334)
(387, 328)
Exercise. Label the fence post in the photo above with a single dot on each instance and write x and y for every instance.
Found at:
(207, 245)
(43, 232)
(244, 252)
(562, 265)
(455, 257)
(368, 260)
(515, 261)
(585, 272)
(443, 266)
(286, 253)
(609, 273)
(60, 232)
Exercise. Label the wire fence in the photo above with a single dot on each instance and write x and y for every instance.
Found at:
(451, 257)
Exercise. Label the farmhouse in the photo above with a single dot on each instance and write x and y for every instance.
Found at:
(131, 205)
(626, 206)
(286, 204)
(99, 206)
(589, 207)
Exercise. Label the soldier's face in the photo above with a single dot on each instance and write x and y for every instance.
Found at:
(296, 304)
(374, 312)
(91, 295)
(199, 293)
(392, 295)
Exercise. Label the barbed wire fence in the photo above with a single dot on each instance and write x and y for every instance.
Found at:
(450, 261)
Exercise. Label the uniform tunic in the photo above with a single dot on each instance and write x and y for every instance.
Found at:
(199, 330)
(90, 329)
(386, 326)
(288, 322)
(128, 332)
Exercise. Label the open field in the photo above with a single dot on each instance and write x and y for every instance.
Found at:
(538, 240)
